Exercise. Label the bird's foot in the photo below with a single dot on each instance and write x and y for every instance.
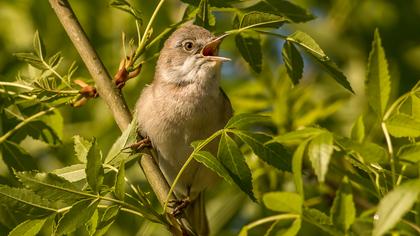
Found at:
(145, 142)
(178, 206)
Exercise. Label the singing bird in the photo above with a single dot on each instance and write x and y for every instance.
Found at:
(185, 103)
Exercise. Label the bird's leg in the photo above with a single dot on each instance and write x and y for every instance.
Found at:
(137, 146)
(179, 205)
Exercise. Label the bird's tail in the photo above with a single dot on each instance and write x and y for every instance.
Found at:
(195, 213)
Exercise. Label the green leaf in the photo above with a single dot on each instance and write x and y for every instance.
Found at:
(116, 153)
(94, 169)
(283, 202)
(50, 186)
(120, 182)
(282, 8)
(211, 162)
(370, 152)
(378, 83)
(293, 62)
(394, 205)
(273, 154)
(320, 150)
(92, 223)
(78, 215)
(358, 130)
(312, 48)
(403, 125)
(410, 152)
(39, 46)
(298, 135)
(248, 44)
(125, 6)
(297, 167)
(282, 228)
(107, 220)
(343, 211)
(258, 19)
(246, 120)
(40, 130)
(233, 160)
(415, 106)
(31, 59)
(24, 201)
(204, 17)
(82, 147)
(16, 157)
(28, 228)
(322, 221)
(72, 173)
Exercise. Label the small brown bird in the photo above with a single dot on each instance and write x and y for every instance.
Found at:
(183, 104)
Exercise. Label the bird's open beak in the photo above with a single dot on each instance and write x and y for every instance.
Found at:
(211, 49)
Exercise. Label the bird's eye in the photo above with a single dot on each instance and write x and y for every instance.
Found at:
(188, 45)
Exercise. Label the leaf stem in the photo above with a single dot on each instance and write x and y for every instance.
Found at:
(236, 31)
(17, 94)
(390, 151)
(4, 83)
(26, 121)
(269, 219)
(187, 162)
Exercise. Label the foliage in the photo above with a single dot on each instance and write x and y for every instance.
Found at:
(303, 171)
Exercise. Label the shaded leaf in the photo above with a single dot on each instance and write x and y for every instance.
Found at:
(298, 135)
(107, 220)
(312, 48)
(82, 147)
(293, 62)
(94, 169)
(204, 18)
(245, 120)
(394, 205)
(283, 8)
(321, 220)
(116, 153)
(283, 202)
(273, 154)
(92, 223)
(125, 6)
(403, 125)
(28, 228)
(31, 59)
(50, 186)
(370, 152)
(16, 157)
(343, 211)
(24, 201)
(120, 182)
(320, 150)
(38, 45)
(378, 82)
(248, 44)
(213, 164)
(233, 160)
(78, 215)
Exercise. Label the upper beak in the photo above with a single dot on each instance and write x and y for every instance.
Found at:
(211, 49)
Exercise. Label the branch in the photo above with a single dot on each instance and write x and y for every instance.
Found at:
(107, 90)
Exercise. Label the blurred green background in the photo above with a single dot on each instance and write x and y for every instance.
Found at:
(344, 29)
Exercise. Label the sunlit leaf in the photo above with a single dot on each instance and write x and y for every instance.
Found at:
(107, 220)
(282, 228)
(297, 136)
(312, 48)
(378, 83)
(245, 120)
(72, 173)
(415, 106)
(358, 130)
(233, 160)
(410, 152)
(403, 125)
(370, 152)
(38, 45)
(31, 59)
(321, 220)
(248, 44)
(320, 150)
(92, 223)
(297, 167)
(257, 19)
(293, 62)
(28, 228)
(283, 8)
(283, 202)
(117, 152)
(82, 147)
(394, 205)
(94, 169)
(343, 211)
(78, 215)
(213, 164)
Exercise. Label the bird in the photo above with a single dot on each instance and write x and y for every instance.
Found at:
(185, 103)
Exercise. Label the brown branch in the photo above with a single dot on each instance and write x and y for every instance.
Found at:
(107, 90)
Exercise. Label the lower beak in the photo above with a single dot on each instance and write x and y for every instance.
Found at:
(211, 49)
